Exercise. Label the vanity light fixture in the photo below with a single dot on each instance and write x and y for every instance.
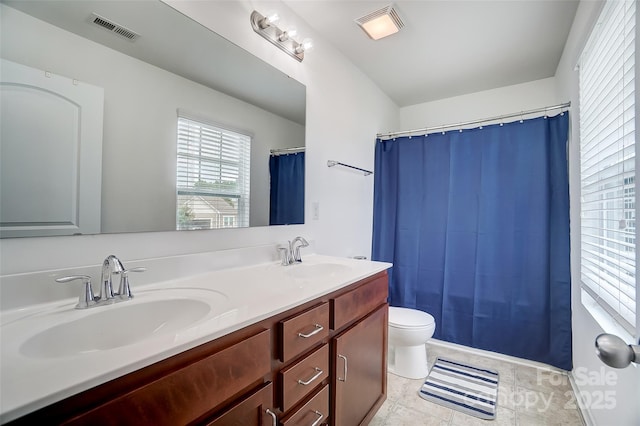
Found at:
(381, 23)
(284, 39)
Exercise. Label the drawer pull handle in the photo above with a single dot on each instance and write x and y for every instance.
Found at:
(273, 416)
(315, 376)
(318, 329)
(344, 379)
(321, 416)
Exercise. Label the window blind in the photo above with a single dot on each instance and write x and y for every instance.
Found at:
(607, 162)
(213, 176)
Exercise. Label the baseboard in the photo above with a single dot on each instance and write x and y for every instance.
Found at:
(585, 413)
(496, 355)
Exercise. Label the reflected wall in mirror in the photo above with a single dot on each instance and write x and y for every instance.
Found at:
(174, 67)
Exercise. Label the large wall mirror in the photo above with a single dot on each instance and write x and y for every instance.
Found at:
(127, 116)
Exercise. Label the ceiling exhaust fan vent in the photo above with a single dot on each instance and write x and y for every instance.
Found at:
(387, 10)
(381, 23)
(113, 27)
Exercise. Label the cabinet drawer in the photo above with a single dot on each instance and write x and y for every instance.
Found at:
(314, 412)
(358, 302)
(188, 393)
(303, 331)
(303, 377)
(251, 411)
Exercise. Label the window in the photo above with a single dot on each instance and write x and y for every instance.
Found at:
(229, 221)
(607, 163)
(212, 177)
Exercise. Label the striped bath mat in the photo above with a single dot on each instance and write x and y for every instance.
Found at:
(463, 387)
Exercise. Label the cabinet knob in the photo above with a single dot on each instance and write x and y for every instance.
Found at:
(344, 379)
(315, 376)
(319, 419)
(318, 329)
(273, 417)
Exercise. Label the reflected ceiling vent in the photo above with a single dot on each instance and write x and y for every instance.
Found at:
(381, 23)
(113, 27)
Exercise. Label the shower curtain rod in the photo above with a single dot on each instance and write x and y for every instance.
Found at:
(469, 123)
(287, 150)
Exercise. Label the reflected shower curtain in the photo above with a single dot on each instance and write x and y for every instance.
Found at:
(286, 199)
(476, 224)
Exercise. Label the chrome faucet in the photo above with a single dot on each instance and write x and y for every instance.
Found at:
(291, 254)
(296, 255)
(111, 265)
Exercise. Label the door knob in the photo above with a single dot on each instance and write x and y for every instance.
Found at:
(615, 352)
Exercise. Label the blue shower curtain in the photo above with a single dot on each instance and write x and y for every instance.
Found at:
(286, 200)
(476, 224)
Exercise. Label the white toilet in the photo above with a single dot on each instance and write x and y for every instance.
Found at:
(409, 330)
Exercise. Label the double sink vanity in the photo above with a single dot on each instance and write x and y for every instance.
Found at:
(217, 344)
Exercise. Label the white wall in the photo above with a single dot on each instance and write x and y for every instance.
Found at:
(345, 110)
(141, 100)
(480, 105)
(625, 383)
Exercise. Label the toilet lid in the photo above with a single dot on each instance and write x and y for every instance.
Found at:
(409, 318)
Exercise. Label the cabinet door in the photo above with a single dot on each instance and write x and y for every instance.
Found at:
(360, 369)
(251, 411)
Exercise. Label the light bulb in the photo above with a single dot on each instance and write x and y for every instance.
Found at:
(269, 20)
(286, 35)
(306, 45)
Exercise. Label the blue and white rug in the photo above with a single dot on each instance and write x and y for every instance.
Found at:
(468, 389)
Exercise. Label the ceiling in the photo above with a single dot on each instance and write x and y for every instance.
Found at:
(178, 44)
(447, 48)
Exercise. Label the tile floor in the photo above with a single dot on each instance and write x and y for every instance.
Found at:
(527, 396)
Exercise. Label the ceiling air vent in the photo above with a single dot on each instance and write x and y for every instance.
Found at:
(381, 23)
(113, 27)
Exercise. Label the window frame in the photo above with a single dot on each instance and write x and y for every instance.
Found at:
(631, 323)
(209, 153)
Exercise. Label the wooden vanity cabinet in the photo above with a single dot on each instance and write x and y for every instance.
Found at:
(359, 353)
(320, 363)
(253, 410)
(303, 331)
(360, 377)
(314, 412)
(300, 379)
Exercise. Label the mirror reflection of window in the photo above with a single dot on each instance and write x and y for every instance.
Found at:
(212, 176)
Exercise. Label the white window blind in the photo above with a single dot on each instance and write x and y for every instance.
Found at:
(212, 176)
(607, 160)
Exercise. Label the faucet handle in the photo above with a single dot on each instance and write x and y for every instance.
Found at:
(86, 298)
(284, 255)
(124, 291)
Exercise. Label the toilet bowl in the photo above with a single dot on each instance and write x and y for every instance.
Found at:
(409, 330)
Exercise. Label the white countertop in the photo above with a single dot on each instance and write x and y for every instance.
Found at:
(243, 296)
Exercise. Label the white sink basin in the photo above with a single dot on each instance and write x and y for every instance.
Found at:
(109, 327)
(316, 270)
